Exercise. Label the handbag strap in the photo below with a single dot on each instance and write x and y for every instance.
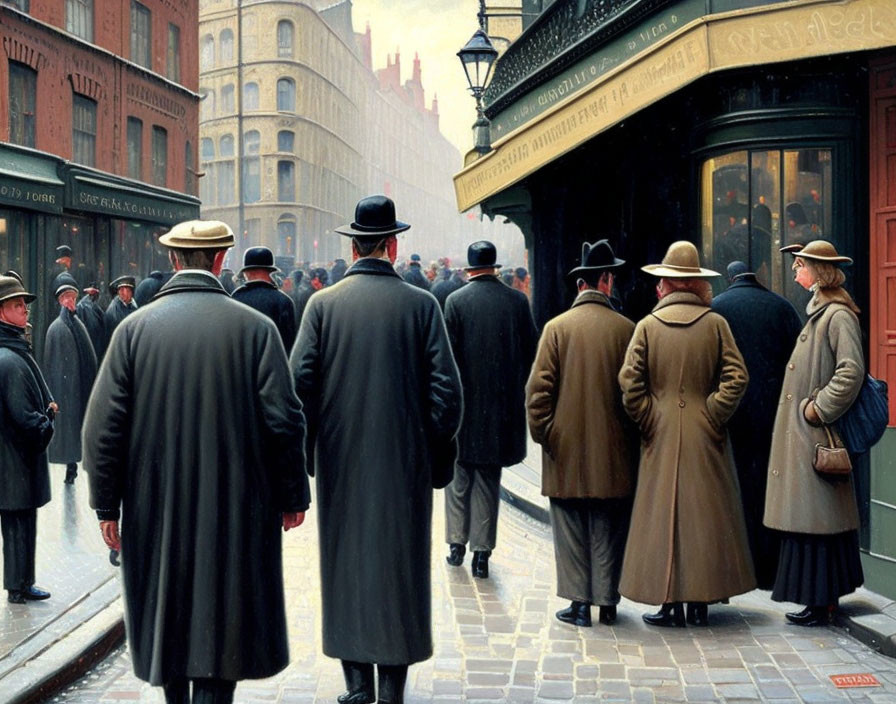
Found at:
(827, 430)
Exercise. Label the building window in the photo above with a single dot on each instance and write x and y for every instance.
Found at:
(206, 149)
(21, 5)
(225, 146)
(190, 170)
(284, 39)
(250, 96)
(83, 130)
(286, 141)
(79, 18)
(286, 181)
(251, 167)
(227, 46)
(135, 148)
(159, 156)
(228, 106)
(286, 95)
(206, 184)
(286, 235)
(225, 170)
(207, 52)
(141, 37)
(207, 105)
(22, 93)
(173, 63)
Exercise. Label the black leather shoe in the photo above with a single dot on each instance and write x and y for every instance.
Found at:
(15, 597)
(698, 613)
(607, 615)
(456, 553)
(811, 616)
(480, 563)
(358, 682)
(578, 613)
(669, 615)
(71, 471)
(35, 594)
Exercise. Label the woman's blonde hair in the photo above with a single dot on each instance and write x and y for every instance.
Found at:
(699, 287)
(826, 275)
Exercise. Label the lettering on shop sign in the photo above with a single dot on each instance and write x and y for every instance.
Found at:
(23, 195)
(156, 100)
(111, 204)
(849, 681)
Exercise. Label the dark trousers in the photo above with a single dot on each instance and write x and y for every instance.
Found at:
(471, 506)
(19, 542)
(205, 691)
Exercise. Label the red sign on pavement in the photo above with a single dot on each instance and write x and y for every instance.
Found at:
(847, 681)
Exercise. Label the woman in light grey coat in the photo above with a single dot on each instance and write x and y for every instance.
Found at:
(819, 560)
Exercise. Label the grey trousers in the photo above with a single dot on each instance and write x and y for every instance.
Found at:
(589, 543)
(471, 506)
(19, 543)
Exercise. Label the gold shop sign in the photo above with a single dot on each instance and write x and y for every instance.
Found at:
(753, 36)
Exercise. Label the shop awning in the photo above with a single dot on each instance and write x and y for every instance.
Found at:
(688, 51)
(30, 179)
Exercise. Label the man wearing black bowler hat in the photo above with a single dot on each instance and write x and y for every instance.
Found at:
(374, 370)
(589, 447)
(493, 337)
(261, 293)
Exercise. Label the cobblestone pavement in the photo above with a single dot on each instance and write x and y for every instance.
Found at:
(497, 640)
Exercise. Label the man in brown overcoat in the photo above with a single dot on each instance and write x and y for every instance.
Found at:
(588, 445)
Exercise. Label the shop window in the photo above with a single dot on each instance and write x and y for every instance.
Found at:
(22, 92)
(135, 148)
(286, 235)
(286, 181)
(753, 202)
(285, 35)
(228, 106)
(286, 141)
(83, 130)
(141, 34)
(207, 105)
(207, 52)
(251, 167)
(250, 96)
(286, 95)
(173, 62)
(13, 237)
(79, 18)
(159, 156)
(226, 46)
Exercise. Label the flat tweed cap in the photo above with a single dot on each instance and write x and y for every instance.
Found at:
(199, 234)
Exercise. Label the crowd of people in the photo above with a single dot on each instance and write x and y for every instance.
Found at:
(677, 451)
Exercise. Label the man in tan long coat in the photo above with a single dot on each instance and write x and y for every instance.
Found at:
(682, 380)
(575, 413)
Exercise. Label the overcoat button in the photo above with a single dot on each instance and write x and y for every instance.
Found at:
(803, 337)
(681, 404)
(790, 397)
(775, 472)
(791, 366)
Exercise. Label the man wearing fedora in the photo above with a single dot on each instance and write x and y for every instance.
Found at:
(201, 483)
(414, 275)
(589, 448)
(493, 338)
(28, 410)
(70, 365)
(92, 315)
(373, 367)
(122, 304)
(261, 293)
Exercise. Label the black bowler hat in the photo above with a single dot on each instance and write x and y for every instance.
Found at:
(122, 281)
(482, 255)
(64, 282)
(374, 219)
(63, 250)
(595, 257)
(11, 287)
(258, 258)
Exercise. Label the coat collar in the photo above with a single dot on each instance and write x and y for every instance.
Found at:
(369, 265)
(191, 280)
(259, 283)
(488, 278)
(826, 296)
(591, 296)
(746, 281)
(680, 308)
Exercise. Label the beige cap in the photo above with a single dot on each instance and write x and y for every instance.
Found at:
(682, 261)
(199, 234)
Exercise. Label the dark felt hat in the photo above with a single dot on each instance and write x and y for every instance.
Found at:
(11, 287)
(374, 218)
(64, 282)
(258, 258)
(482, 255)
(121, 281)
(63, 250)
(596, 257)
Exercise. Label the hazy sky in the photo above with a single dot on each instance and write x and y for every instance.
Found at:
(435, 29)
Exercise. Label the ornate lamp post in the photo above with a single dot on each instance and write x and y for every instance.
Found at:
(477, 58)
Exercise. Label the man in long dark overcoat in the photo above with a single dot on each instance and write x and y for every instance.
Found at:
(414, 275)
(26, 425)
(373, 367)
(493, 338)
(92, 315)
(444, 287)
(202, 483)
(122, 304)
(261, 293)
(765, 327)
(70, 365)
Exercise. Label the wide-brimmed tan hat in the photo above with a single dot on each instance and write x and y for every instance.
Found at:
(11, 287)
(199, 234)
(682, 261)
(821, 251)
(791, 248)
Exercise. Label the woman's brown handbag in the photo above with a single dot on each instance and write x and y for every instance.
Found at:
(831, 460)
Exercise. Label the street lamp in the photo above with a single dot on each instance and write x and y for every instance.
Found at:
(477, 58)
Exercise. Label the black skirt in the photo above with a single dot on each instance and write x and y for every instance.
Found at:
(815, 570)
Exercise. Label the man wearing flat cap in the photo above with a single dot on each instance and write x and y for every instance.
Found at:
(261, 293)
(589, 447)
(202, 484)
(70, 364)
(493, 338)
(373, 367)
(27, 410)
(122, 304)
